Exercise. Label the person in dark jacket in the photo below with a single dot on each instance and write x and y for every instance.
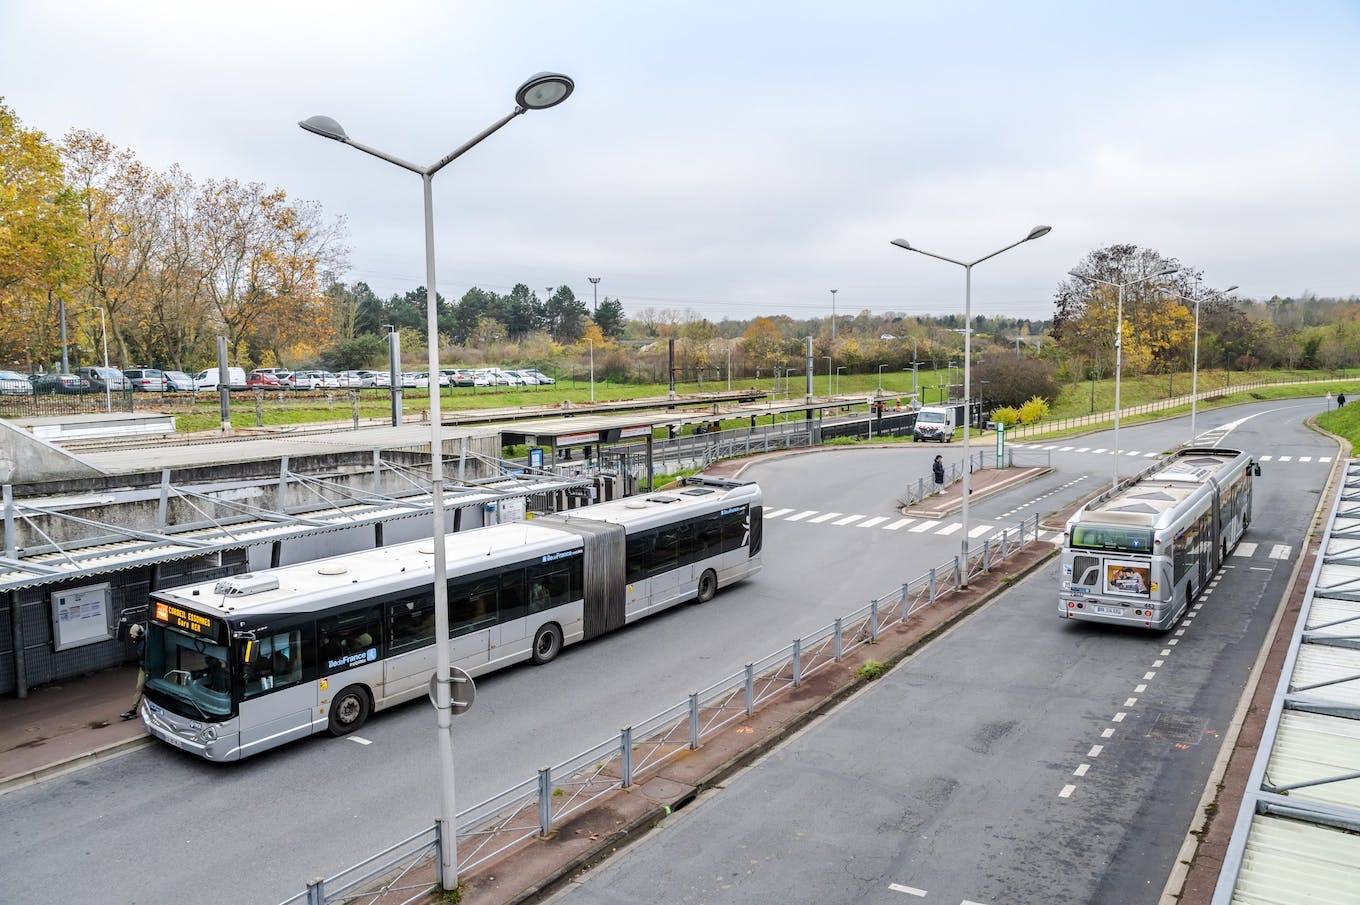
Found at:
(938, 471)
(137, 635)
(1340, 399)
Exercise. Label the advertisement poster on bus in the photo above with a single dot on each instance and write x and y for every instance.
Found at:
(1131, 578)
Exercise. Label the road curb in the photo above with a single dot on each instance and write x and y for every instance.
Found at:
(84, 759)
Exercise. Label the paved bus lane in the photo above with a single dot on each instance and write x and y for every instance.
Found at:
(1018, 758)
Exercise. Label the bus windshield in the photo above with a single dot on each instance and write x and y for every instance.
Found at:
(1113, 538)
(187, 674)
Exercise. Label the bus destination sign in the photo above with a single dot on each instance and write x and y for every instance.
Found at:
(184, 620)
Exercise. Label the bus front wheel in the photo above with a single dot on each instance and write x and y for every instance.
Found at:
(708, 586)
(349, 709)
(547, 643)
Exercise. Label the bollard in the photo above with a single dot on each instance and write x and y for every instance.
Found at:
(694, 722)
(626, 756)
(750, 688)
(838, 639)
(873, 620)
(544, 801)
(797, 662)
(986, 555)
(932, 580)
(906, 601)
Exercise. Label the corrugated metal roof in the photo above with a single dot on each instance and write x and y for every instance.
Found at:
(1297, 836)
(1288, 862)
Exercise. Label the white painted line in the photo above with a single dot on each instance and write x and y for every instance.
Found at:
(1157, 664)
(826, 517)
(847, 520)
(1285, 459)
(360, 740)
(980, 529)
(1065, 449)
(802, 515)
(1067, 791)
(1305, 458)
(1050, 447)
(909, 890)
(1149, 675)
(1174, 641)
(1280, 551)
(1095, 751)
(970, 902)
(1149, 455)
(1180, 631)
(1081, 771)
(1132, 452)
(1101, 450)
(869, 523)
(1324, 459)
(1266, 458)
(1139, 689)
(1131, 702)
(1084, 449)
(898, 524)
(1106, 733)
(1119, 717)
(950, 528)
(925, 525)
(1259, 569)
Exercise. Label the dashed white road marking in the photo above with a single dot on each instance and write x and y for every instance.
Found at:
(1139, 689)
(1084, 449)
(1279, 551)
(1081, 771)
(950, 529)
(1266, 458)
(359, 739)
(1158, 664)
(1149, 675)
(898, 524)
(1101, 450)
(980, 529)
(1174, 641)
(1131, 702)
(1067, 791)
(802, 515)
(1305, 458)
(1118, 717)
(847, 520)
(776, 513)
(1095, 751)
(1286, 458)
(1106, 733)
(823, 518)
(925, 525)
(909, 890)
(869, 523)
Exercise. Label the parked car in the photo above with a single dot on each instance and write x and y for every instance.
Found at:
(146, 380)
(48, 384)
(262, 380)
(98, 377)
(12, 383)
(178, 382)
(457, 377)
(311, 380)
(357, 380)
(210, 379)
(415, 381)
(540, 376)
(381, 378)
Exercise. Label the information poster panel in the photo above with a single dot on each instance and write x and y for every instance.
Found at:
(81, 616)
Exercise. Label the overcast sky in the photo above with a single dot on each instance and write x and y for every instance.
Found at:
(741, 159)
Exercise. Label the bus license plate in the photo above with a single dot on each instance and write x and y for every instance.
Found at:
(1110, 610)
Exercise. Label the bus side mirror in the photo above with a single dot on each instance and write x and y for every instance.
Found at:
(1256, 469)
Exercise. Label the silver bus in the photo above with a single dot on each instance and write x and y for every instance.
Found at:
(1139, 553)
(247, 663)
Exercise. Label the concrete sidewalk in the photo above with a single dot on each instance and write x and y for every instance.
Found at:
(66, 724)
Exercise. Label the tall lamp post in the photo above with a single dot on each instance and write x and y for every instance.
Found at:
(541, 91)
(880, 377)
(1119, 344)
(1194, 372)
(103, 329)
(1036, 233)
(595, 295)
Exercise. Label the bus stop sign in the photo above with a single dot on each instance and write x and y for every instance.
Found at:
(462, 690)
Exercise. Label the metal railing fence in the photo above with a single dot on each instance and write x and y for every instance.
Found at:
(534, 807)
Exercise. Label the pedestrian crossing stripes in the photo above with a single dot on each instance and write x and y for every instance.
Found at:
(976, 532)
(1132, 453)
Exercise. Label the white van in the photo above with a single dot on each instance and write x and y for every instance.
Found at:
(210, 379)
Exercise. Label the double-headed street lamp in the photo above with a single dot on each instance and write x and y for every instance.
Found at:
(1036, 233)
(1194, 372)
(544, 90)
(1119, 344)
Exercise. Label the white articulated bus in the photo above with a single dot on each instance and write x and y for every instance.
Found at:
(244, 664)
(1140, 553)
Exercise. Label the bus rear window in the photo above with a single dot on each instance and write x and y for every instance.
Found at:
(1106, 537)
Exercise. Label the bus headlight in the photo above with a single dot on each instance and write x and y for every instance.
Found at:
(208, 735)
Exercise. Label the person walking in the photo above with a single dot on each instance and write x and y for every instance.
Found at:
(137, 635)
(937, 470)
(1340, 399)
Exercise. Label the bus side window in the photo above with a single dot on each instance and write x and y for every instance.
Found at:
(513, 604)
(349, 639)
(472, 604)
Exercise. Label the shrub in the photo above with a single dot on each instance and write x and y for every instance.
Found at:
(1006, 415)
(1036, 409)
(871, 670)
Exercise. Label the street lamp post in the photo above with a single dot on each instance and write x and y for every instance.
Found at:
(104, 331)
(829, 394)
(1035, 233)
(1194, 371)
(1119, 344)
(592, 368)
(880, 377)
(839, 368)
(595, 295)
(541, 91)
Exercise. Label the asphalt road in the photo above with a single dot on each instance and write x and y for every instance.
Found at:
(1017, 759)
(144, 827)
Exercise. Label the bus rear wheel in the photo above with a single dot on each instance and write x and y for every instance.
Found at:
(708, 586)
(349, 710)
(547, 643)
